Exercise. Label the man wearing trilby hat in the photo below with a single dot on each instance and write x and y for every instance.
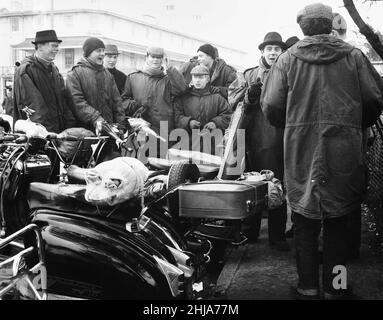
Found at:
(39, 86)
(264, 143)
(110, 61)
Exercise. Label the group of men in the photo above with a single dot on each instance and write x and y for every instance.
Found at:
(308, 104)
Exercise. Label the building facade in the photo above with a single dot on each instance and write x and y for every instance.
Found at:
(19, 23)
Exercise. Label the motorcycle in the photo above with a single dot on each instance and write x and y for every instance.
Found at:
(90, 254)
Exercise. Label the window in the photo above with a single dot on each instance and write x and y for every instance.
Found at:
(69, 58)
(68, 20)
(170, 7)
(16, 6)
(15, 26)
(93, 21)
(112, 23)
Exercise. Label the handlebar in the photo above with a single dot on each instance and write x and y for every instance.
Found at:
(6, 138)
(21, 138)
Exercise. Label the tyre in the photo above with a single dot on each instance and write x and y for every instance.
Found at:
(180, 173)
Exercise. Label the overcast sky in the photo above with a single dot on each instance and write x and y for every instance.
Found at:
(241, 24)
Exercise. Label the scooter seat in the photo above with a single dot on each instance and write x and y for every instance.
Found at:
(56, 192)
(71, 198)
(161, 164)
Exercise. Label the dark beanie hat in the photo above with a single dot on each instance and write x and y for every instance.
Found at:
(92, 44)
(208, 49)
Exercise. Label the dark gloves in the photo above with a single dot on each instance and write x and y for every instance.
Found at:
(254, 91)
(194, 124)
(210, 126)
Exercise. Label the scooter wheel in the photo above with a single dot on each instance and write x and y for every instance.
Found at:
(182, 172)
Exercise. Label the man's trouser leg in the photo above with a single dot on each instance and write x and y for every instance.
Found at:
(354, 226)
(334, 251)
(251, 226)
(277, 223)
(306, 233)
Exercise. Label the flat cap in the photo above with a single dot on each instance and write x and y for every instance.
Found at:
(200, 70)
(315, 11)
(155, 51)
(111, 49)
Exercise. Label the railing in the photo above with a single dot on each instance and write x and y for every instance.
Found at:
(14, 272)
(7, 71)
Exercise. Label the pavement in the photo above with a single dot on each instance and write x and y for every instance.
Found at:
(257, 272)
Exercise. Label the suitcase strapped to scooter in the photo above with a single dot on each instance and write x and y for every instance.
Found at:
(227, 200)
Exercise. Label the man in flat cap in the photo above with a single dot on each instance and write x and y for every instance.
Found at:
(39, 86)
(221, 74)
(264, 142)
(324, 92)
(150, 91)
(199, 109)
(110, 61)
(95, 93)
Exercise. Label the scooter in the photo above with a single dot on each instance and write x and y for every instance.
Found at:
(90, 254)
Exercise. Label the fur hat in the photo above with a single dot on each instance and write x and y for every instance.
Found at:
(315, 11)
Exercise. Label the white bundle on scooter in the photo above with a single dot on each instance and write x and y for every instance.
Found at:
(115, 181)
(31, 129)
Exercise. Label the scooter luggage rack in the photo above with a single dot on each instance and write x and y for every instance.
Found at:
(19, 271)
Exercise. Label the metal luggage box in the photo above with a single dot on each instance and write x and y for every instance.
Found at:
(228, 200)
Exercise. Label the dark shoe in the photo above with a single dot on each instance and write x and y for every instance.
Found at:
(299, 296)
(289, 233)
(280, 245)
(347, 294)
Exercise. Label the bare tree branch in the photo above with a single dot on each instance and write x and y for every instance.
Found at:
(364, 28)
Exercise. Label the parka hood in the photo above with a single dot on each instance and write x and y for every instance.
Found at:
(321, 49)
